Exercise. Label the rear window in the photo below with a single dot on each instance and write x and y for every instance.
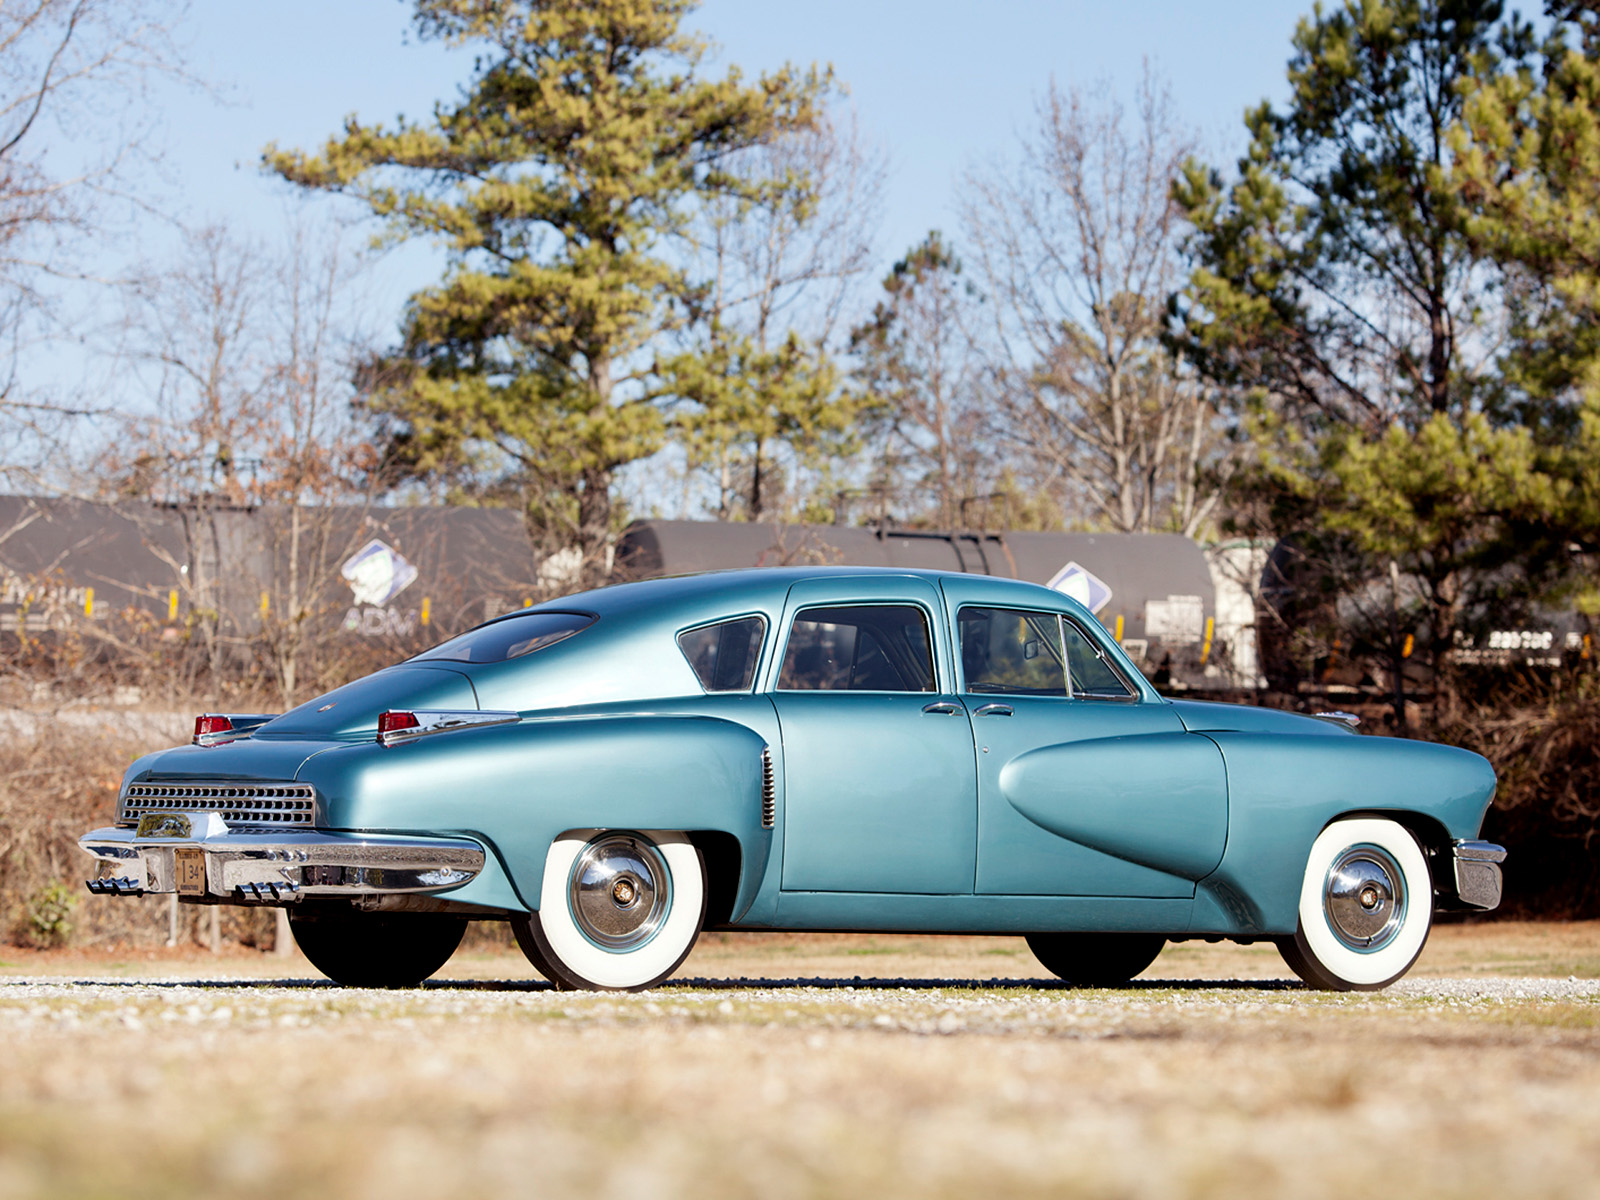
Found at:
(511, 638)
(724, 655)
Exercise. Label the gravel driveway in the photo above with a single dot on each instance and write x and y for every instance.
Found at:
(771, 1087)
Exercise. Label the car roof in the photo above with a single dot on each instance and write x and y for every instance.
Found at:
(757, 587)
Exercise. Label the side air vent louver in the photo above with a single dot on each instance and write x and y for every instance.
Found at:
(239, 803)
(769, 794)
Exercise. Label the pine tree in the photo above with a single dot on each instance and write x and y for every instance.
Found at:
(1337, 287)
(558, 181)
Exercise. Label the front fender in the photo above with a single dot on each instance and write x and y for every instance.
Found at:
(518, 787)
(1283, 790)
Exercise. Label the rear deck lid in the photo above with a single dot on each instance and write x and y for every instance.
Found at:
(351, 712)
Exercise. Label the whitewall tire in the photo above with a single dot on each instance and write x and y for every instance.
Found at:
(619, 910)
(1366, 905)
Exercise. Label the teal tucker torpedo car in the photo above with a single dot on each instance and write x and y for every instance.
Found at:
(803, 749)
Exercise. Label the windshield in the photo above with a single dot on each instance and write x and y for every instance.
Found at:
(511, 638)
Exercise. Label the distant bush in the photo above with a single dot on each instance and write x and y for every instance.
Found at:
(47, 916)
(1543, 737)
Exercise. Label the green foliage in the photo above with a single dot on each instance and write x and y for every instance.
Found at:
(1333, 273)
(1438, 492)
(1527, 166)
(575, 154)
(47, 915)
(1339, 286)
(746, 401)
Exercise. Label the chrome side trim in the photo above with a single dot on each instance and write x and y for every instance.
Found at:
(279, 865)
(769, 791)
(1479, 881)
(443, 720)
(1339, 715)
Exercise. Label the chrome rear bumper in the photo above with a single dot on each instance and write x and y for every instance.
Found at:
(200, 856)
(1478, 876)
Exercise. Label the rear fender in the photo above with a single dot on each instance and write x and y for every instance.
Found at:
(518, 787)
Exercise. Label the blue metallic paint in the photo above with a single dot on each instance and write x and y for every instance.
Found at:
(1062, 767)
(1080, 814)
(1286, 788)
(1170, 815)
(530, 782)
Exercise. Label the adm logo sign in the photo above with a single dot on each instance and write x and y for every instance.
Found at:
(377, 573)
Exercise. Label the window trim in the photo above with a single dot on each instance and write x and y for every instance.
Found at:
(960, 661)
(1134, 693)
(755, 676)
(930, 626)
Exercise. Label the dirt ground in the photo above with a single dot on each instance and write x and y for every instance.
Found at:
(812, 1066)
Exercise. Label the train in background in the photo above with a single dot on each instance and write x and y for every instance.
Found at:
(365, 573)
(1195, 619)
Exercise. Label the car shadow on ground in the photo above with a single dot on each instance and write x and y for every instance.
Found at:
(697, 983)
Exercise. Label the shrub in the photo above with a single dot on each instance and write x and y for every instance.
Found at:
(47, 916)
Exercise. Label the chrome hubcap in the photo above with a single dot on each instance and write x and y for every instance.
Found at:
(1365, 898)
(619, 891)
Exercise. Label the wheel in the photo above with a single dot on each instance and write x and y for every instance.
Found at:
(1366, 905)
(377, 949)
(1096, 959)
(619, 910)
(531, 952)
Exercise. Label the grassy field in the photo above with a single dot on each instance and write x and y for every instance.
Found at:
(806, 1067)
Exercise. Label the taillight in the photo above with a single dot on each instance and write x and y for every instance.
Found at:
(394, 722)
(208, 725)
(397, 727)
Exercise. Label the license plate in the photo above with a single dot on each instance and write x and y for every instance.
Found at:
(189, 871)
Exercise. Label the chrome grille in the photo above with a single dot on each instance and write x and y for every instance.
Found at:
(769, 794)
(239, 803)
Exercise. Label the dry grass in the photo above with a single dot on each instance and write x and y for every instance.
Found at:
(492, 1085)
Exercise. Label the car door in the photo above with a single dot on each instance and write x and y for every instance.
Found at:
(880, 783)
(1087, 785)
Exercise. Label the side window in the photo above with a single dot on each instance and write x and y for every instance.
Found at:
(878, 648)
(1009, 650)
(1092, 676)
(724, 656)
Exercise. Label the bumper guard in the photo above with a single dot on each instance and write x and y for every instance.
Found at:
(1478, 876)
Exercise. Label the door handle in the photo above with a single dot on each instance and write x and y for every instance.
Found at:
(944, 707)
(994, 710)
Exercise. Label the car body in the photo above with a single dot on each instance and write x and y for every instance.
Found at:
(804, 749)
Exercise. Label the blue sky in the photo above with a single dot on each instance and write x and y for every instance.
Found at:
(939, 84)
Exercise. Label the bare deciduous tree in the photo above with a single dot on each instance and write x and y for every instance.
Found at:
(780, 274)
(72, 74)
(245, 357)
(1077, 246)
(917, 362)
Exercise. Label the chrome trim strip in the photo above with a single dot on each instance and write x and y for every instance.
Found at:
(769, 793)
(1340, 716)
(443, 720)
(276, 866)
(1479, 881)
